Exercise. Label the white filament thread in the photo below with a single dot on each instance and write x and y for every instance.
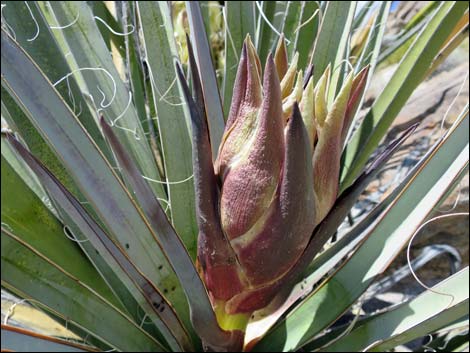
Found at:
(75, 20)
(113, 122)
(453, 102)
(112, 30)
(35, 22)
(11, 309)
(168, 182)
(6, 24)
(261, 12)
(408, 249)
(94, 69)
(227, 31)
(310, 19)
(72, 237)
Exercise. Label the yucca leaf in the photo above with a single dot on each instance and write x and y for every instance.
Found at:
(28, 314)
(92, 56)
(450, 46)
(26, 175)
(112, 278)
(21, 340)
(300, 25)
(361, 13)
(240, 21)
(337, 333)
(368, 58)
(55, 69)
(461, 347)
(160, 49)
(17, 205)
(140, 85)
(331, 42)
(22, 124)
(408, 75)
(202, 55)
(290, 24)
(399, 44)
(424, 314)
(443, 164)
(265, 13)
(397, 50)
(374, 41)
(421, 15)
(108, 22)
(135, 70)
(19, 122)
(143, 290)
(89, 169)
(205, 13)
(30, 275)
(306, 30)
(24, 214)
(461, 23)
(47, 55)
(461, 323)
(452, 338)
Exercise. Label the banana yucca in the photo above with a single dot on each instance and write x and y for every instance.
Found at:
(194, 223)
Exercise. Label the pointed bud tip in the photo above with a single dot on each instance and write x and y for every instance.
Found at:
(8, 134)
(295, 117)
(365, 71)
(281, 45)
(308, 75)
(328, 69)
(244, 54)
(248, 40)
(269, 60)
(189, 44)
(104, 124)
(269, 68)
(280, 57)
(296, 110)
(179, 71)
(390, 149)
(296, 57)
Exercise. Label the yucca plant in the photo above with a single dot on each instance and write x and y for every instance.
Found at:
(146, 215)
